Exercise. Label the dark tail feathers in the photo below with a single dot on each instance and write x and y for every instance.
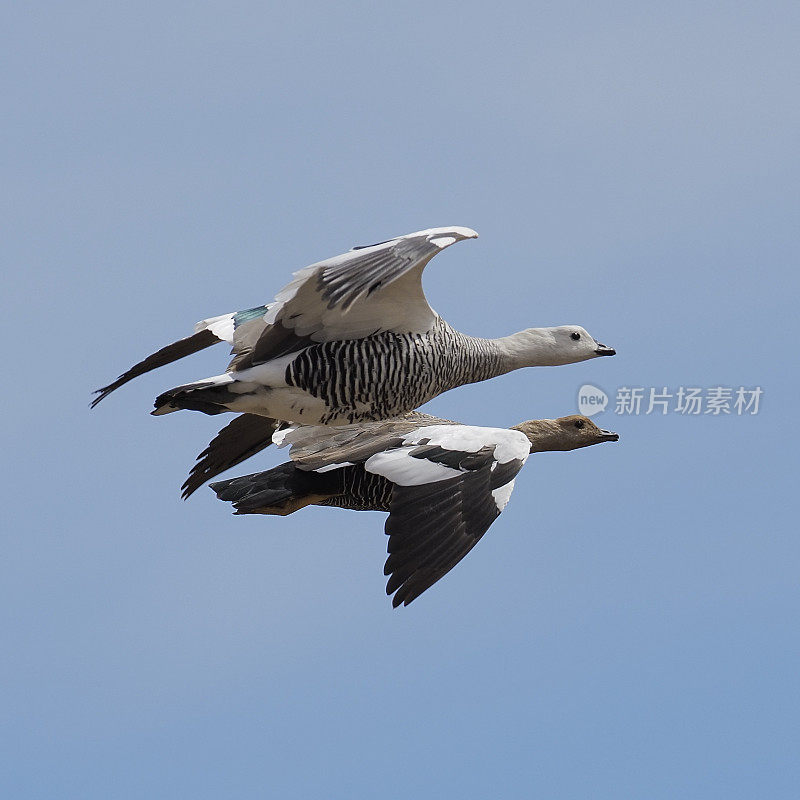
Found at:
(281, 490)
(202, 396)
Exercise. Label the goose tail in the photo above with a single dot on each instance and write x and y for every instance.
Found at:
(211, 396)
(281, 490)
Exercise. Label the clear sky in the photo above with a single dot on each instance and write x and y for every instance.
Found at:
(628, 628)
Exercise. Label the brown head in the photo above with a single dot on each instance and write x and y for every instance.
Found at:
(564, 433)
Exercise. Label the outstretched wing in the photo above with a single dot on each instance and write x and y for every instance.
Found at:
(166, 355)
(353, 295)
(245, 436)
(451, 483)
(225, 328)
(431, 528)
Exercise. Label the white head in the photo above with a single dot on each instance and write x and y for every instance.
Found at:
(545, 347)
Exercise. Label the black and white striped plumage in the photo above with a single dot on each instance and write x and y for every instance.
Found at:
(442, 483)
(388, 373)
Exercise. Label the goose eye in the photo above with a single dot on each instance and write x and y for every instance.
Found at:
(579, 423)
(575, 336)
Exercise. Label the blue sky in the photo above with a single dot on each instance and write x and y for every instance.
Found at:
(628, 628)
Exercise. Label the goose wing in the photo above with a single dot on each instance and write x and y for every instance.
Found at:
(366, 290)
(451, 483)
(241, 438)
(231, 328)
(319, 446)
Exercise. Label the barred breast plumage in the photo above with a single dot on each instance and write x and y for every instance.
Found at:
(362, 491)
(387, 374)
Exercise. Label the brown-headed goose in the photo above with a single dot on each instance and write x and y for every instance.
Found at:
(442, 483)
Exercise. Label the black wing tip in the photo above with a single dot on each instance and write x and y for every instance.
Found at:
(198, 475)
(394, 592)
(166, 355)
(192, 484)
(102, 394)
(402, 599)
(401, 594)
(187, 491)
(207, 464)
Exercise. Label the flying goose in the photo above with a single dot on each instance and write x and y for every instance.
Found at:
(353, 339)
(442, 483)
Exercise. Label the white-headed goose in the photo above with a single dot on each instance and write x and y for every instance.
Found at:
(351, 339)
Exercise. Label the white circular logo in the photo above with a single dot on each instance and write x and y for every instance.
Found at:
(591, 400)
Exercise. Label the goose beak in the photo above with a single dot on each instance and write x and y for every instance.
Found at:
(602, 350)
(608, 436)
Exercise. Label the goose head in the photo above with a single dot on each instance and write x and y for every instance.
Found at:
(549, 347)
(564, 433)
(572, 343)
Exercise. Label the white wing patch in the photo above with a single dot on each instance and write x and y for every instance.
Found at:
(502, 494)
(509, 445)
(459, 230)
(406, 470)
(403, 469)
(221, 326)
